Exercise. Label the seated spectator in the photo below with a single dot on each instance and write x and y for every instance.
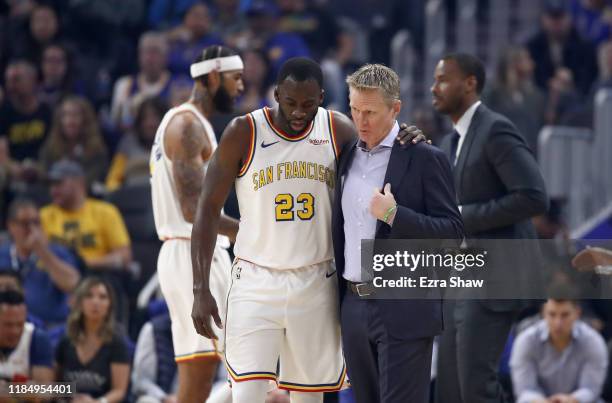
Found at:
(256, 82)
(93, 354)
(263, 33)
(75, 134)
(24, 120)
(43, 28)
(58, 77)
(188, 40)
(514, 94)
(559, 358)
(325, 40)
(166, 14)
(94, 228)
(152, 79)
(557, 45)
(154, 378)
(131, 162)
(48, 271)
(592, 19)
(25, 351)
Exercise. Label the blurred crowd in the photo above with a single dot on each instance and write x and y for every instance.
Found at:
(84, 85)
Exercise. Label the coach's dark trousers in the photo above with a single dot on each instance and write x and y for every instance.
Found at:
(381, 368)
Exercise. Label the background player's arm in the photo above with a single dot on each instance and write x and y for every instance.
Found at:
(222, 171)
(186, 145)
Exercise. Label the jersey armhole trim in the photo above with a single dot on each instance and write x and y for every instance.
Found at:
(247, 163)
(332, 133)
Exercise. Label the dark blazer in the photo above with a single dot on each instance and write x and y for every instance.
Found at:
(498, 182)
(421, 181)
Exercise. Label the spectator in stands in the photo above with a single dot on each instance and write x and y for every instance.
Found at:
(93, 354)
(515, 95)
(131, 162)
(58, 78)
(188, 39)
(560, 358)
(229, 20)
(152, 79)
(557, 45)
(24, 120)
(166, 14)
(592, 19)
(154, 377)
(263, 34)
(48, 271)
(93, 228)
(604, 61)
(25, 351)
(43, 29)
(75, 134)
(256, 82)
(327, 43)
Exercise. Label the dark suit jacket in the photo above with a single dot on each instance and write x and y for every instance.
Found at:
(498, 182)
(421, 181)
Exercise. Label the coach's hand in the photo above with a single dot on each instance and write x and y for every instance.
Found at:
(205, 307)
(410, 134)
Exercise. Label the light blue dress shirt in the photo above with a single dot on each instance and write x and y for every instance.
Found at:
(366, 172)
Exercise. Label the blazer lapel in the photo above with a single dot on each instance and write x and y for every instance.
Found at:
(396, 169)
(465, 148)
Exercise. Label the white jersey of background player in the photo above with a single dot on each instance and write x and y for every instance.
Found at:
(183, 145)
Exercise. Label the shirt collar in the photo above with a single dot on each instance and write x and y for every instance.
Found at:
(387, 141)
(463, 124)
(544, 333)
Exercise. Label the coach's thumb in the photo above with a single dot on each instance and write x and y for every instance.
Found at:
(387, 189)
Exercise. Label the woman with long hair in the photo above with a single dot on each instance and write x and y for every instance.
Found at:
(75, 134)
(93, 354)
(131, 161)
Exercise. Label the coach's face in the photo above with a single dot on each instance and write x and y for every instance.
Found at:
(298, 102)
(449, 88)
(374, 116)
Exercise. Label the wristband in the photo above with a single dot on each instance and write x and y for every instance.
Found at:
(388, 213)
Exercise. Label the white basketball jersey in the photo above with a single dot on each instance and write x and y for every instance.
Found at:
(285, 193)
(18, 361)
(169, 220)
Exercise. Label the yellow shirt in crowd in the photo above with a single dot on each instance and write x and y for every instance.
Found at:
(94, 230)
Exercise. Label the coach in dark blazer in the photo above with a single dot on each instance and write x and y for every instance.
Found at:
(499, 188)
(387, 343)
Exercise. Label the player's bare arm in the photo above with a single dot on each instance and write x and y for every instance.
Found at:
(222, 171)
(346, 132)
(186, 145)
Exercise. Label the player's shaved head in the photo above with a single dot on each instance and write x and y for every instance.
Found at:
(300, 69)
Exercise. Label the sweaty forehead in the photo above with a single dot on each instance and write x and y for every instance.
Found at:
(299, 89)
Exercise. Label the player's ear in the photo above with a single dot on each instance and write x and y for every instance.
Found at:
(214, 81)
(276, 98)
(321, 97)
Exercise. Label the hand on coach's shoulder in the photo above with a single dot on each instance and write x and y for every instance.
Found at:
(410, 134)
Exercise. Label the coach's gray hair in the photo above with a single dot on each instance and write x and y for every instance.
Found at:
(376, 76)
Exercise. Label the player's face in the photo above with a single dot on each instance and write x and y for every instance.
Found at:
(298, 102)
(230, 88)
(374, 116)
(449, 87)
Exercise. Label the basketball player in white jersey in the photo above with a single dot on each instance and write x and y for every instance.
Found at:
(184, 142)
(282, 303)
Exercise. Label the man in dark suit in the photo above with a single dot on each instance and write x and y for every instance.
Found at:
(387, 343)
(499, 188)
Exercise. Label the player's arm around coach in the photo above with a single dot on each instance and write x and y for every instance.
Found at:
(223, 169)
